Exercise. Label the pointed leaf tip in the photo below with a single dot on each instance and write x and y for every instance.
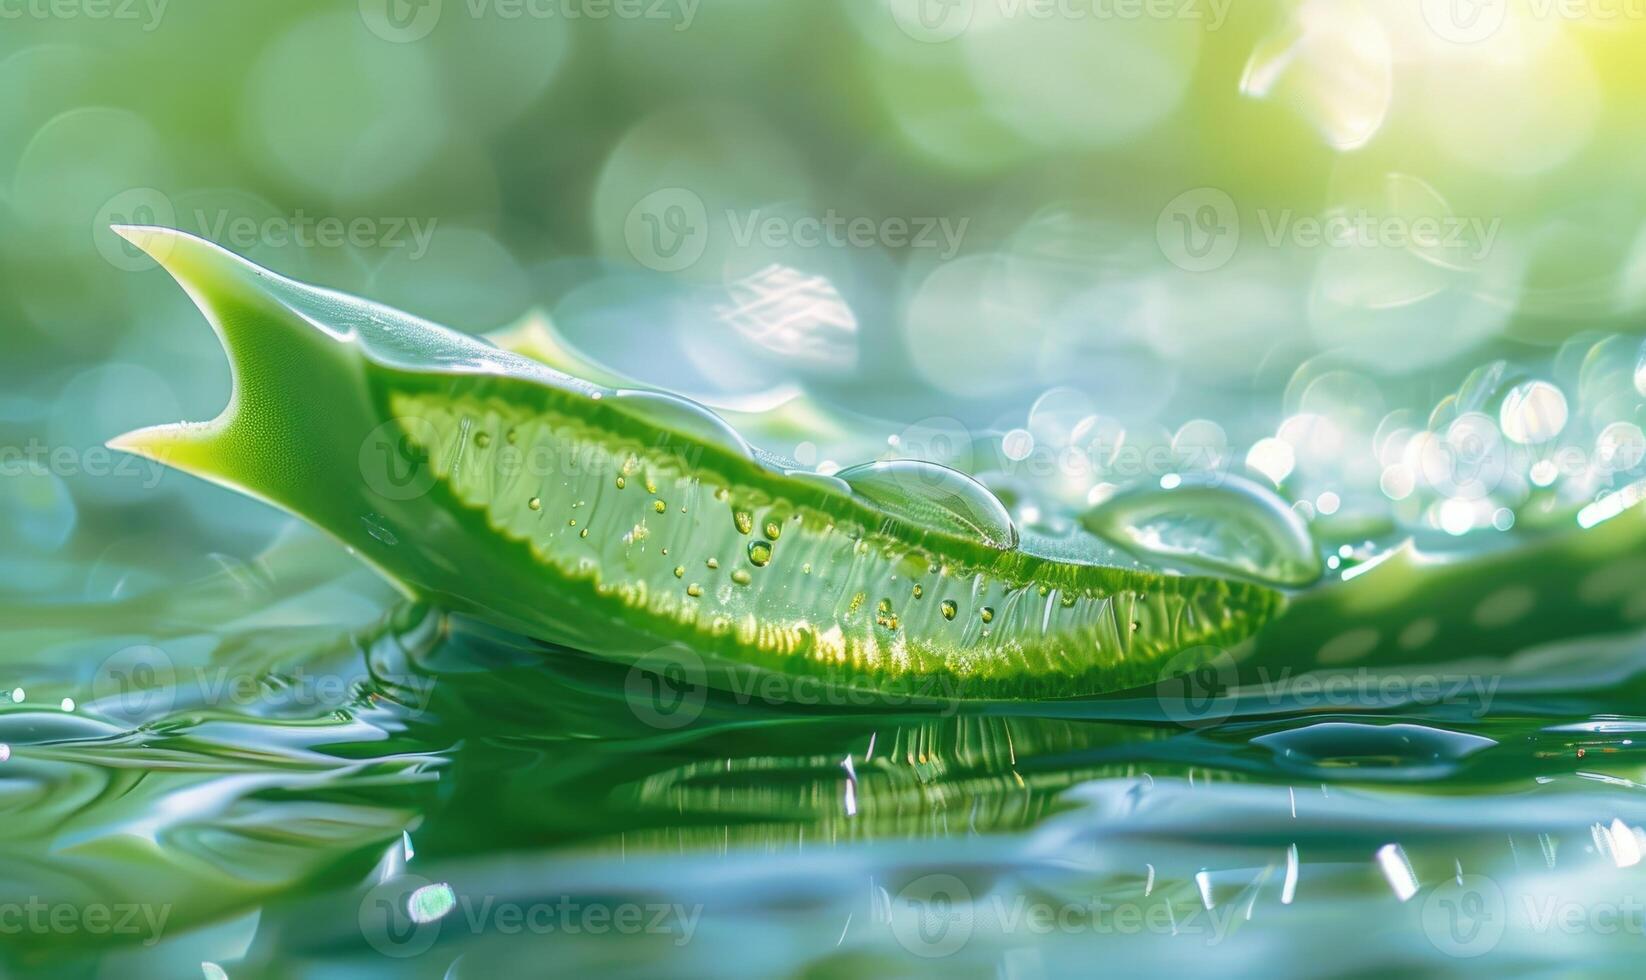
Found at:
(137, 442)
(154, 240)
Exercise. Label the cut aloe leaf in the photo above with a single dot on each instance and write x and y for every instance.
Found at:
(619, 521)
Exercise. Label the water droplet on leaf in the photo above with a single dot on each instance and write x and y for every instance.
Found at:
(927, 495)
(671, 412)
(1228, 524)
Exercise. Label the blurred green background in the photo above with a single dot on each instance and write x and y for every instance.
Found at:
(912, 207)
(1386, 254)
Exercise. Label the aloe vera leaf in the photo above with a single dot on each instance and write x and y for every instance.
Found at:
(1552, 584)
(618, 521)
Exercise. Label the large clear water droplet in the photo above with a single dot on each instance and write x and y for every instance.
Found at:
(1406, 749)
(1224, 523)
(685, 417)
(934, 497)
